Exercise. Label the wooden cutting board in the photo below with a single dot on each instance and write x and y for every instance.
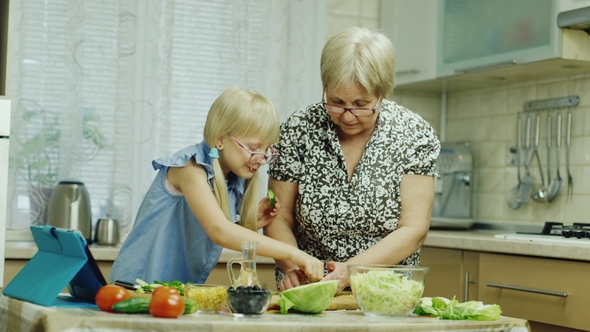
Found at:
(344, 301)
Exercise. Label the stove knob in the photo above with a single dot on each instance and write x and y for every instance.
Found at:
(567, 233)
(578, 233)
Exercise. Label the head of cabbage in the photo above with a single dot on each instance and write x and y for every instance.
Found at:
(311, 298)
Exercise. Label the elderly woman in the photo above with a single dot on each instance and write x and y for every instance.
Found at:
(355, 176)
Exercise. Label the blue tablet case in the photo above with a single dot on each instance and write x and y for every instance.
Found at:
(63, 260)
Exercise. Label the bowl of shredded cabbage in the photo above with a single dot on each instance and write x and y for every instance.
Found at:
(387, 290)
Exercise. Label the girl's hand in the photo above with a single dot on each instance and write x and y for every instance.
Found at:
(337, 271)
(292, 278)
(265, 213)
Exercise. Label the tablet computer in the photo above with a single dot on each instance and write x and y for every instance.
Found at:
(62, 261)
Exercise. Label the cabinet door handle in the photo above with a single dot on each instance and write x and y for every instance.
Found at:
(407, 72)
(486, 67)
(529, 290)
(466, 287)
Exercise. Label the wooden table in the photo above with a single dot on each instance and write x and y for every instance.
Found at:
(17, 315)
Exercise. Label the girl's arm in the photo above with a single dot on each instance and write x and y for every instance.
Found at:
(191, 180)
(282, 229)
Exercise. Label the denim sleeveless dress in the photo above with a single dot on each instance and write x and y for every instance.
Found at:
(167, 242)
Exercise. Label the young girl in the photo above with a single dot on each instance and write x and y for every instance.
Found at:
(189, 213)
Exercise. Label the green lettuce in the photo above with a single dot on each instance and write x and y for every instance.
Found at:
(311, 298)
(431, 306)
(455, 310)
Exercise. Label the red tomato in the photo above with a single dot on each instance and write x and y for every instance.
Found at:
(166, 305)
(109, 295)
(165, 289)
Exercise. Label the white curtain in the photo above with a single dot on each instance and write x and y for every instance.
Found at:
(99, 88)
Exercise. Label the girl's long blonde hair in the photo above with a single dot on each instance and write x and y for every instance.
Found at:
(240, 113)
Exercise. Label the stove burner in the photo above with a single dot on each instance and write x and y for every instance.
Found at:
(577, 230)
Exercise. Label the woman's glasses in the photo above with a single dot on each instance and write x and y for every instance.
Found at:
(358, 111)
(258, 157)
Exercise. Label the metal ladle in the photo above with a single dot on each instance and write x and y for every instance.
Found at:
(556, 184)
(541, 195)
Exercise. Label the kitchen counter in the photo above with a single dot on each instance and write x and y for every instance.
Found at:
(26, 250)
(476, 240)
(17, 315)
(484, 241)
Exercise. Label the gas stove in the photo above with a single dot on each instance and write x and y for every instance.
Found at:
(554, 232)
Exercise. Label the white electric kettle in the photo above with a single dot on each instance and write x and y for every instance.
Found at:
(69, 208)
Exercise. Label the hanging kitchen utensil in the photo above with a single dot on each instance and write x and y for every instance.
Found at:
(542, 196)
(539, 192)
(526, 187)
(556, 184)
(512, 198)
(568, 137)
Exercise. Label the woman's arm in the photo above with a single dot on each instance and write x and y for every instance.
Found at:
(417, 197)
(191, 180)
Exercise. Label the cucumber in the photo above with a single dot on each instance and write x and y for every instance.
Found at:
(190, 306)
(271, 197)
(141, 305)
(134, 305)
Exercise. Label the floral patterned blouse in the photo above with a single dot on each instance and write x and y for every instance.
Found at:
(338, 219)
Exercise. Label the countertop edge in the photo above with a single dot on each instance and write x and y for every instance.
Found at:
(484, 241)
(473, 240)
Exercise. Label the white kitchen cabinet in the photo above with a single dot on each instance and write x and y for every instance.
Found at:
(565, 5)
(479, 35)
(452, 45)
(411, 26)
(4, 136)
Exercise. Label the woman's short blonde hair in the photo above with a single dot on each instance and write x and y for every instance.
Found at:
(359, 55)
(241, 113)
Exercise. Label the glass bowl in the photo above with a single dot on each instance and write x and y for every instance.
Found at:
(209, 298)
(248, 301)
(387, 290)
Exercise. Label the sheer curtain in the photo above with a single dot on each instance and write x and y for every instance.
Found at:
(99, 88)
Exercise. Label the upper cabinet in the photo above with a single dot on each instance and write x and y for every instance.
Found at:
(479, 35)
(411, 26)
(447, 45)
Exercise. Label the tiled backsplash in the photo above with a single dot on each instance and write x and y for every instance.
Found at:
(487, 119)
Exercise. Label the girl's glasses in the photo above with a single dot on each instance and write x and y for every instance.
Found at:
(258, 157)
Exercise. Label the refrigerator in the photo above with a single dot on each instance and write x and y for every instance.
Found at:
(4, 138)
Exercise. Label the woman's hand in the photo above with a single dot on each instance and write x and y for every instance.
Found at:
(337, 271)
(265, 213)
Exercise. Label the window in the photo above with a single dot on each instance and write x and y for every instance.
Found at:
(100, 88)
